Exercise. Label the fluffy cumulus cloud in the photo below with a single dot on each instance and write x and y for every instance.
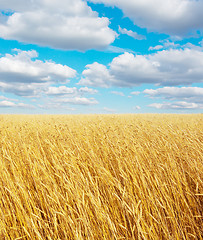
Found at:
(96, 75)
(23, 67)
(167, 67)
(62, 24)
(174, 17)
(22, 74)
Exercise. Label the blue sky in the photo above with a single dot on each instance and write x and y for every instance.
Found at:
(101, 56)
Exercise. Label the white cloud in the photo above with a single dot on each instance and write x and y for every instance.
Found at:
(136, 93)
(8, 99)
(118, 93)
(114, 49)
(131, 34)
(77, 101)
(22, 89)
(96, 75)
(16, 5)
(63, 90)
(129, 69)
(137, 108)
(157, 47)
(176, 105)
(63, 24)
(24, 75)
(174, 17)
(62, 95)
(66, 95)
(86, 90)
(188, 97)
(192, 94)
(167, 45)
(23, 67)
(9, 104)
(167, 67)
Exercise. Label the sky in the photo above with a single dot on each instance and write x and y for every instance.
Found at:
(101, 56)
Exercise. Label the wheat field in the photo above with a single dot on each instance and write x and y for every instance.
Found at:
(101, 177)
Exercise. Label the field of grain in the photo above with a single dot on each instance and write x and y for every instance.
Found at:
(101, 177)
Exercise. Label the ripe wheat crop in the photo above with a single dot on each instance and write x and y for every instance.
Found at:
(101, 177)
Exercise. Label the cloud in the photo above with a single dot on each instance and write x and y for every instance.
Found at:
(77, 101)
(63, 101)
(114, 49)
(22, 89)
(168, 67)
(176, 105)
(20, 5)
(23, 67)
(201, 43)
(137, 108)
(173, 17)
(63, 24)
(131, 34)
(10, 104)
(24, 75)
(157, 47)
(192, 94)
(96, 75)
(136, 93)
(86, 90)
(118, 93)
(167, 45)
(9, 99)
(188, 97)
(63, 90)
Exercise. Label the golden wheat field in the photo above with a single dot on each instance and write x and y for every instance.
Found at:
(101, 177)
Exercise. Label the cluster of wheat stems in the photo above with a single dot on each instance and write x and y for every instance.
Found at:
(101, 177)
